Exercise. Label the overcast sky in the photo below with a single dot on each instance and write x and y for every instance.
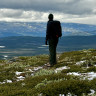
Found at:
(77, 11)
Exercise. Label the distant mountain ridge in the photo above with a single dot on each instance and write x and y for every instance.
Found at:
(65, 40)
(38, 29)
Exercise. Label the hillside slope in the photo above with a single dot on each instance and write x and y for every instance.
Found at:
(74, 74)
(30, 46)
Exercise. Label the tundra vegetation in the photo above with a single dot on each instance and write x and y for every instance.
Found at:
(74, 74)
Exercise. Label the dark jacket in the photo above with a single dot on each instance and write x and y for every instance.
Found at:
(53, 27)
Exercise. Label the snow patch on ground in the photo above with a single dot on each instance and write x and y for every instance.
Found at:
(9, 81)
(74, 73)
(37, 68)
(6, 81)
(89, 75)
(61, 68)
(92, 92)
(31, 70)
(80, 62)
(2, 82)
(18, 73)
(20, 78)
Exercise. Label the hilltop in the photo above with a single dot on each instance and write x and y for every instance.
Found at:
(74, 74)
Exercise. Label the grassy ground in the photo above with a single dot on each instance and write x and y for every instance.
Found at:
(25, 76)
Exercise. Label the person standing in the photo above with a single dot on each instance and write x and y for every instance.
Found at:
(53, 32)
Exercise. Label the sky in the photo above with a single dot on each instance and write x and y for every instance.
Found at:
(73, 11)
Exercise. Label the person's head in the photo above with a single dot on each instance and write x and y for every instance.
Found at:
(50, 17)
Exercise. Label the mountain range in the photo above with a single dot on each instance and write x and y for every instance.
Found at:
(28, 38)
(38, 29)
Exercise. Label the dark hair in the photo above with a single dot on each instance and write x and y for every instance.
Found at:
(50, 16)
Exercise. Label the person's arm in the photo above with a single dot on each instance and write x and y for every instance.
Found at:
(47, 36)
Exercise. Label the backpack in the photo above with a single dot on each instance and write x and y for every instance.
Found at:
(57, 28)
(53, 29)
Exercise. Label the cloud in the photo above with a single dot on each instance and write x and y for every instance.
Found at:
(13, 15)
(10, 13)
(79, 11)
(65, 6)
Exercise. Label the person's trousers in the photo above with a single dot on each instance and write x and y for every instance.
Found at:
(52, 50)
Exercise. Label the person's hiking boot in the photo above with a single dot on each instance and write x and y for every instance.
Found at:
(49, 65)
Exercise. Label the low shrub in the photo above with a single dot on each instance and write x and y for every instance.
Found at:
(73, 68)
(91, 69)
(93, 84)
(64, 87)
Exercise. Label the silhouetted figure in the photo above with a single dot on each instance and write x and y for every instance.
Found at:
(53, 32)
